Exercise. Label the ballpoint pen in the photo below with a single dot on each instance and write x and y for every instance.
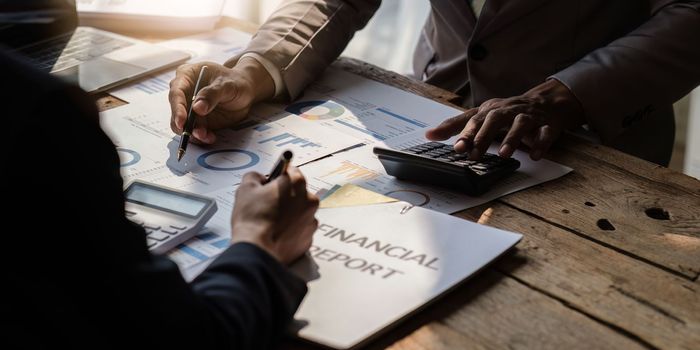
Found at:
(189, 122)
(281, 166)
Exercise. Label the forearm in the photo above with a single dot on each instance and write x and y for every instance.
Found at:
(655, 64)
(243, 300)
(303, 37)
(252, 293)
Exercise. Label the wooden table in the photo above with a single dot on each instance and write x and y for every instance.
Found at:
(610, 257)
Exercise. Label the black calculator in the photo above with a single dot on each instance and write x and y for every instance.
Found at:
(438, 164)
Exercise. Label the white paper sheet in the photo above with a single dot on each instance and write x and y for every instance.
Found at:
(364, 275)
(361, 167)
(362, 108)
(147, 149)
(215, 46)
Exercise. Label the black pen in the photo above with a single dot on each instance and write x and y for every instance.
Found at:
(281, 166)
(189, 122)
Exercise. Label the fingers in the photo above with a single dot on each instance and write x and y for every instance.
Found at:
(253, 179)
(495, 121)
(523, 124)
(546, 135)
(466, 137)
(450, 127)
(202, 132)
(298, 182)
(180, 88)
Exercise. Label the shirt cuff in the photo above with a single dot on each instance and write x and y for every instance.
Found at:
(271, 69)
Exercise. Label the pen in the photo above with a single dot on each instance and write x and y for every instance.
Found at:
(281, 166)
(189, 122)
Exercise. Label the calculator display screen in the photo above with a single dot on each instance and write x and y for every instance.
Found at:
(163, 199)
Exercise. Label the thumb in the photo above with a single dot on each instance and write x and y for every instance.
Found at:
(218, 92)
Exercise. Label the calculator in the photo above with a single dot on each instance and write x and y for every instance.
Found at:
(170, 217)
(438, 164)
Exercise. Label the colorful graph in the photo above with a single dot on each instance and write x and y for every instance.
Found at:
(289, 139)
(228, 160)
(128, 157)
(352, 171)
(316, 110)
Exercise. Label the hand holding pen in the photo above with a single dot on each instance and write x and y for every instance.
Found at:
(190, 121)
(223, 101)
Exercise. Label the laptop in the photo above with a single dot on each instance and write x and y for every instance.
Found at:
(47, 32)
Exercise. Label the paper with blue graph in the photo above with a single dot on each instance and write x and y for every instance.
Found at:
(147, 149)
(339, 111)
(362, 108)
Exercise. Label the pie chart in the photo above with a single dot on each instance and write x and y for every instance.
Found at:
(316, 110)
(127, 157)
(228, 160)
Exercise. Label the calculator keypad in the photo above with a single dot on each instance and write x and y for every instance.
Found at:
(447, 154)
(155, 234)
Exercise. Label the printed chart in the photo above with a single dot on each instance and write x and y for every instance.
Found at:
(360, 167)
(362, 108)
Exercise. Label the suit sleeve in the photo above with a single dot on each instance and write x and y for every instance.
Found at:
(244, 300)
(302, 37)
(655, 64)
(117, 290)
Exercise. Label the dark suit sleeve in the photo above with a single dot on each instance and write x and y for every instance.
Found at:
(88, 280)
(655, 64)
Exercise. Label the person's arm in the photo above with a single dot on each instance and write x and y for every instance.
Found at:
(288, 52)
(104, 284)
(246, 297)
(302, 37)
(656, 64)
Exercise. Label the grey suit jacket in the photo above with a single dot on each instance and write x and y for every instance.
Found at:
(626, 61)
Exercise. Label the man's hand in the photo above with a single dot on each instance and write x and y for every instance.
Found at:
(278, 216)
(223, 102)
(536, 118)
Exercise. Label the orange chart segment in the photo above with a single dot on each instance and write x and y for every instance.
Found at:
(351, 172)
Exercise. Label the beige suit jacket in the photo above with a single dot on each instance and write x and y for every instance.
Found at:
(626, 61)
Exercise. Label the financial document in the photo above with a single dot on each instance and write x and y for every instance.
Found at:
(361, 167)
(215, 46)
(342, 114)
(147, 150)
(362, 108)
(366, 275)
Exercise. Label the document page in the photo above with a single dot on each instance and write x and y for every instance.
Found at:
(147, 149)
(361, 167)
(361, 108)
(365, 275)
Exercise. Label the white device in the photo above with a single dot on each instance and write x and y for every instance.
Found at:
(170, 217)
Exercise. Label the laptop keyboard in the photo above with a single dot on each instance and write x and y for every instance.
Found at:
(83, 45)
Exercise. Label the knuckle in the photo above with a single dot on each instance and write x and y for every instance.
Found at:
(228, 87)
(183, 69)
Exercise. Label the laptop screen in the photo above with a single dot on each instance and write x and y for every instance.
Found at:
(24, 22)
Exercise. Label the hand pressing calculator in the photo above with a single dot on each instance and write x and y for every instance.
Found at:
(169, 216)
(438, 164)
